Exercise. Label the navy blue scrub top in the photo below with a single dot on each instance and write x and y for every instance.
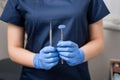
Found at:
(35, 16)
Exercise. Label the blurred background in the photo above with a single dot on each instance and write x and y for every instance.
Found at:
(99, 66)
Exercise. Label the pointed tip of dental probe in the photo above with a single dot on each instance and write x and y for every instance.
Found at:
(61, 26)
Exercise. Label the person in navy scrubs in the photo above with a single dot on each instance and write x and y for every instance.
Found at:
(83, 37)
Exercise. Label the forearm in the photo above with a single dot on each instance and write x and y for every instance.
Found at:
(21, 56)
(15, 46)
(93, 48)
(96, 43)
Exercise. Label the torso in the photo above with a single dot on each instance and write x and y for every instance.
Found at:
(37, 15)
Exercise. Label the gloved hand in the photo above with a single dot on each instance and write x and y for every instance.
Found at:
(70, 52)
(46, 58)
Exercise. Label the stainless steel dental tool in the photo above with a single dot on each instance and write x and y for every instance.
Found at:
(61, 27)
(50, 34)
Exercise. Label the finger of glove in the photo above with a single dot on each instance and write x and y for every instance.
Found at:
(48, 49)
(51, 55)
(67, 44)
(65, 58)
(51, 60)
(66, 54)
(36, 61)
(65, 49)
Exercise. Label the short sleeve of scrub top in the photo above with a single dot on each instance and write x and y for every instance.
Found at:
(35, 17)
(11, 14)
(97, 10)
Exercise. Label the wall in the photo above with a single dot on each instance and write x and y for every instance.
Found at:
(114, 6)
(3, 41)
(3, 34)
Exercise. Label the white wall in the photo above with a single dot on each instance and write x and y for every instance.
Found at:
(114, 6)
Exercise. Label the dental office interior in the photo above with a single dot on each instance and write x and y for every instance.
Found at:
(106, 66)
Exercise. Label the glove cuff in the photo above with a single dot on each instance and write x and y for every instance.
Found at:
(36, 61)
(82, 54)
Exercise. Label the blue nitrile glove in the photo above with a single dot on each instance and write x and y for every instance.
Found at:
(46, 58)
(70, 52)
